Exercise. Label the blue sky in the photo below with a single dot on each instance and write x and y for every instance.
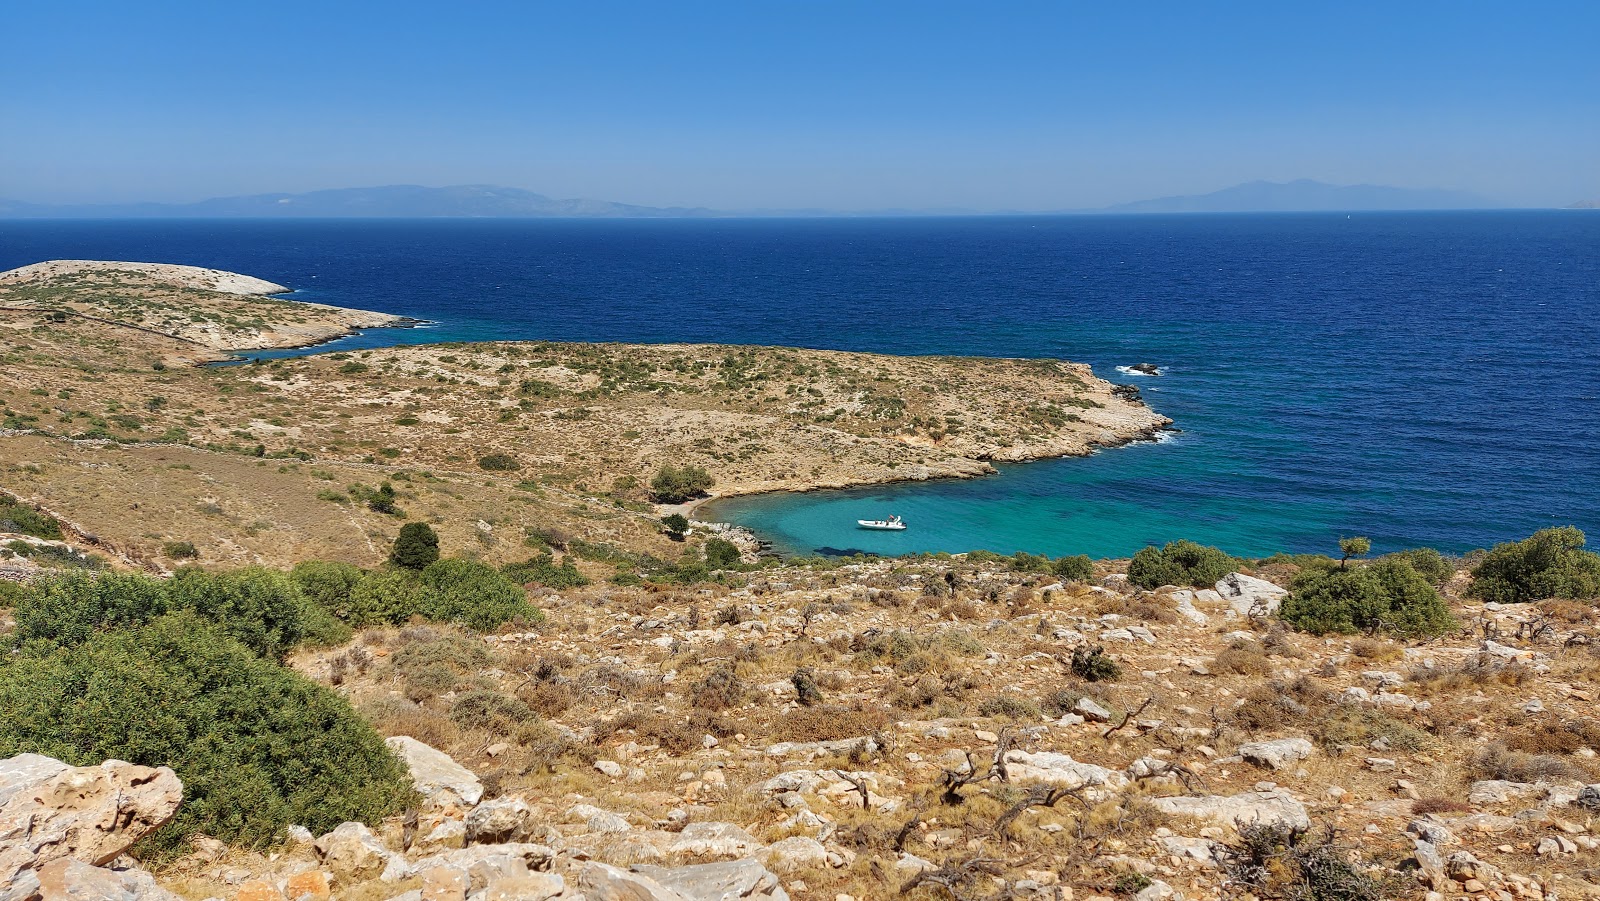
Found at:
(848, 105)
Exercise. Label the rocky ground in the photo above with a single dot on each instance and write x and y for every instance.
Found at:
(921, 728)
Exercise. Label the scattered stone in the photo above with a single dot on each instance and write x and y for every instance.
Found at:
(1270, 806)
(1089, 710)
(1247, 594)
(498, 821)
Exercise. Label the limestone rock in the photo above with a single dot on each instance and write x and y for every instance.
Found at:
(50, 811)
(67, 879)
(713, 840)
(439, 779)
(532, 887)
(1089, 710)
(731, 880)
(485, 863)
(603, 882)
(1269, 806)
(353, 853)
(1277, 754)
(1499, 791)
(1247, 593)
(795, 853)
(1589, 797)
(498, 821)
(1060, 769)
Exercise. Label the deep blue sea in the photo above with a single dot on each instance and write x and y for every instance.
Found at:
(1421, 378)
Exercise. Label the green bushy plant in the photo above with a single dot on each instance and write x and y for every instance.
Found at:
(1551, 563)
(1388, 596)
(21, 519)
(70, 608)
(1429, 564)
(388, 596)
(263, 608)
(675, 484)
(416, 547)
(721, 553)
(474, 594)
(1180, 562)
(543, 570)
(1077, 568)
(257, 746)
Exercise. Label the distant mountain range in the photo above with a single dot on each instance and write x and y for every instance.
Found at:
(1585, 205)
(1305, 195)
(490, 201)
(386, 202)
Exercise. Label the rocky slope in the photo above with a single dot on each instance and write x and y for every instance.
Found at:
(921, 729)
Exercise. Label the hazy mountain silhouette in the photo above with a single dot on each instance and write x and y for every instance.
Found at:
(1305, 195)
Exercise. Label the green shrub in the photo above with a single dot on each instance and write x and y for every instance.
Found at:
(258, 746)
(676, 525)
(180, 550)
(11, 593)
(676, 484)
(1179, 563)
(1073, 569)
(499, 463)
(1429, 564)
(1385, 596)
(474, 594)
(416, 547)
(1353, 547)
(1549, 564)
(721, 553)
(21, 519)
(1024, 562)
(386, 596)
(69, 609)
(260, 607)
(1094, 665)
(543, 570)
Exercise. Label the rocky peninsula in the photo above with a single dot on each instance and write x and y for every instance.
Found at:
(103, 399)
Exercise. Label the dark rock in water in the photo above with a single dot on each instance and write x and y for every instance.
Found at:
(1146, 368)
(1126, 392)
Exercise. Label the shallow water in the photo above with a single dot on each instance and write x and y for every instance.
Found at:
(1422, 378)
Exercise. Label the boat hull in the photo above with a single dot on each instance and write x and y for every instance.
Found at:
(881, 526)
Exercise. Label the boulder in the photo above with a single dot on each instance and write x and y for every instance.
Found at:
(68, 879)
(1499, 791)
(1269, 806)
(713, 840)
(498, 821)
(795, 853)
(50, 811)
(484, 864)
(730, 880)
(354, 854)
(1089, 710)
(1589, 797)
(603, 882)
(1247, 593)
(1052, 768)
(532, 887)
(1276, 754)
(439, 779)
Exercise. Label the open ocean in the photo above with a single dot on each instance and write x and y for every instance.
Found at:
(1421, 378)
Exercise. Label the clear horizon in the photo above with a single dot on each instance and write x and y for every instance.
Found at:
(821, 105)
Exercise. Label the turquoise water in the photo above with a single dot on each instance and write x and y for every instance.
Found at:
(1421, 378)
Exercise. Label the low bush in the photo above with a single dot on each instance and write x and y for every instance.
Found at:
(1429, 564)
(474, 594)
(180, 550)
(720, 689)
(1077, 568)
(676, 484)
(1496, 761)
(543, 570)
(21, 519)
(721, 553)
(1275, 860)
(1386, 596)
(260, 607)
(1179, 563)
(1094, 665)
(1549, 564)
(258, 746)
(499, 463)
